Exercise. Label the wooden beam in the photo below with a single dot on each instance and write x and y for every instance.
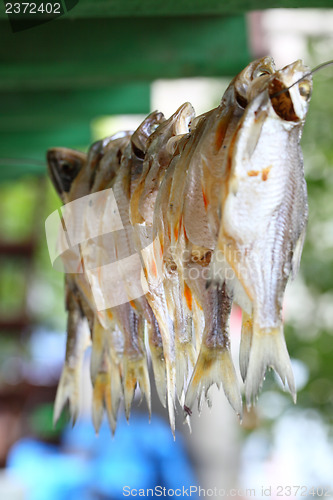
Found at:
(28, 110)
(23, 152)
(31, 122)
(66, 54)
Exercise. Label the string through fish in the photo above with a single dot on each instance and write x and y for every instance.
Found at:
(314, 70)
(19, 161)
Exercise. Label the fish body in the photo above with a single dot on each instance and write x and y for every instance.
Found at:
(264, 214)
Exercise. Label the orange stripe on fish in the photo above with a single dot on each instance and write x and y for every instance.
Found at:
(153, 268)
(186, 238)
(175, 231)
(229, 162)
(221, 130)
(265, 173)
(188, 296)
(252, 173)
(204, 198)
(80, 265)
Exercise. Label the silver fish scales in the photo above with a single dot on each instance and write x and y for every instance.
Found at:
(221, 192)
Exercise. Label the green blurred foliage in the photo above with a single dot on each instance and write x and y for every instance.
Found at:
(24, 206)
(41, 422)
(17, 209)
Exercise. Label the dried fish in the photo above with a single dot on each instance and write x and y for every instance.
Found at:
(215, 209)
(264, 214)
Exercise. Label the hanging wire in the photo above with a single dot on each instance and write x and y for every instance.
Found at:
(314, 70)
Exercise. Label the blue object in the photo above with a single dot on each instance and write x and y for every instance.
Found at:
(86, 466)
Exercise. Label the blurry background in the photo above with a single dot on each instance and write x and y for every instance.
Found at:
(96, 70)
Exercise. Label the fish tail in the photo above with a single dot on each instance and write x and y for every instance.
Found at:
(102, 400)
(214, 366)
(170, 366)
(158, 360)
(170, 371)
(68, 390)
(166, 328)
(135, 371)
(186, 359)
(268, 349)
(98, 339)
(158, 363)
(245, 344)
(116, 387)
(167, 332)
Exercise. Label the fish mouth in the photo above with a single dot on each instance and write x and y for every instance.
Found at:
(281, 101)
(290, 91)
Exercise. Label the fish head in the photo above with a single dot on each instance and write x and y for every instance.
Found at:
(221, 122)
(141, 135)
(215, 130)
(252, 79)
(64, 165)
(165, 139)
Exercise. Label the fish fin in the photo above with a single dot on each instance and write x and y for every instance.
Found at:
(68, 390)
(157, 359)
(198, 324)
(116, 388)
(186, 359)
(165, 324)
(135, 372)
(187, 422)
(158, 364)
(101, 401)
(97, 349)
(296, 259)
(268, 349)
(245, 344)
(170, 373)
(214, 366)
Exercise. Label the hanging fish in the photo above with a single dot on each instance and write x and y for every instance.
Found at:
(264, 213)
(215, 206)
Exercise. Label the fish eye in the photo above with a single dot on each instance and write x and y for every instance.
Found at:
(305, 90)
(66, 166)
(261, 72)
